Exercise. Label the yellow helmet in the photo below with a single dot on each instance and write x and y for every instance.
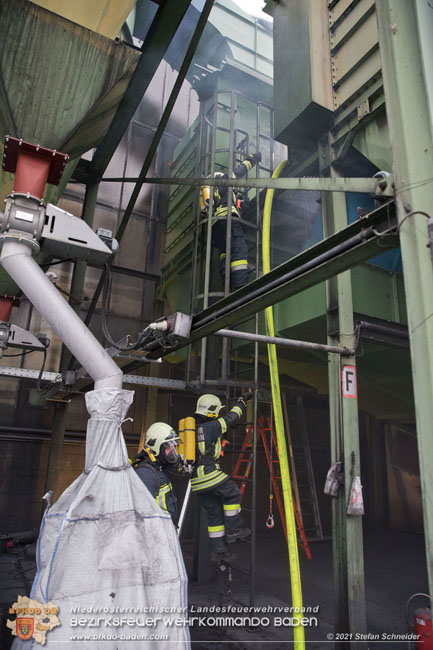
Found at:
(157, 434)
(209, 406)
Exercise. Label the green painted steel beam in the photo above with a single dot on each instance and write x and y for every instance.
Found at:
(347, 539)
(161, 32)
(362, 185)
(410, 131)
(355, 243)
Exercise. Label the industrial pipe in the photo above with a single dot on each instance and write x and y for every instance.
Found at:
(16, 258)
(289, 343)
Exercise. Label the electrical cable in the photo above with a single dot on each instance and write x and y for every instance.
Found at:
(142, 337)
(411, 214)
(40, 390)
(292, 542)
(20, 354)
(47, 388)
(48, 264)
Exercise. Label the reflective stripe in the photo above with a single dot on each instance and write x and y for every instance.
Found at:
(222, 255)
(161, 497)
(237, 409)
(231, 511)
(222, 212)
(223, 424)
(231, 506)
(200, 471)
(202, 447)
(205, 477)
(216, 531)
(243, 263)
(203, 485)
(217, 451)
(207, 485)
(248, 164)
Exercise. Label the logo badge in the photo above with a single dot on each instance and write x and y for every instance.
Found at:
(25, 628)
(33, 619)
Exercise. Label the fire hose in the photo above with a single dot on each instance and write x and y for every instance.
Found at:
(295, 575)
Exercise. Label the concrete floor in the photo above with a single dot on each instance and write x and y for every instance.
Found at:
(395, 568)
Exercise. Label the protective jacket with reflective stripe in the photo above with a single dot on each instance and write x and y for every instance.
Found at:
(221, 193)
(209, 432)
(158, 484)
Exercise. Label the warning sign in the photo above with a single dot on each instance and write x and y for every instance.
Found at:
(348, 380)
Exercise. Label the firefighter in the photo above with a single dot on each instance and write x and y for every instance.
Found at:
(239, 249)
(157, 457)
(217, 493)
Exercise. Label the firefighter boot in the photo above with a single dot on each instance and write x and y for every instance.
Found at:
(238, 535)
(220, 552)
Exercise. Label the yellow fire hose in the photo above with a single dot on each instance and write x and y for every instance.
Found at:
(295, 575)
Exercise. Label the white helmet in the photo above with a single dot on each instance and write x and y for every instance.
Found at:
(209, 406)
(157, 434)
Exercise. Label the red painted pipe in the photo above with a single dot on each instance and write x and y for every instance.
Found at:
(6, 304)
(31, 174)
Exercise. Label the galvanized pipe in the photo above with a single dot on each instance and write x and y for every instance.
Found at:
(16, 258)
(289, 343)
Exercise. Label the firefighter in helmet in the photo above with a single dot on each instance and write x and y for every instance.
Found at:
(157, 457)
(217, 493)
(239, 249)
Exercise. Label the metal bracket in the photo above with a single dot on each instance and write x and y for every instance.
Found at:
(64, 235)
(21, 338)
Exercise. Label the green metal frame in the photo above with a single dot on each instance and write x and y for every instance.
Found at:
(347, 539)
(410, 129)
(357, 242)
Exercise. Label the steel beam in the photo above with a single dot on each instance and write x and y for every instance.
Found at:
(347, 540)
(377, 186)
(161, 32)
(408, 116)
(55, 377)
(356, 243)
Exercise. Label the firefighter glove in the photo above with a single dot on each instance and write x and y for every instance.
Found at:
(256, 157)
(247, 396)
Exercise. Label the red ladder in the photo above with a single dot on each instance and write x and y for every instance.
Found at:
(245, 460)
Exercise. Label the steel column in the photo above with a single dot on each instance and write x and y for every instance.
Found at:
(410, 133)
(350, 613)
